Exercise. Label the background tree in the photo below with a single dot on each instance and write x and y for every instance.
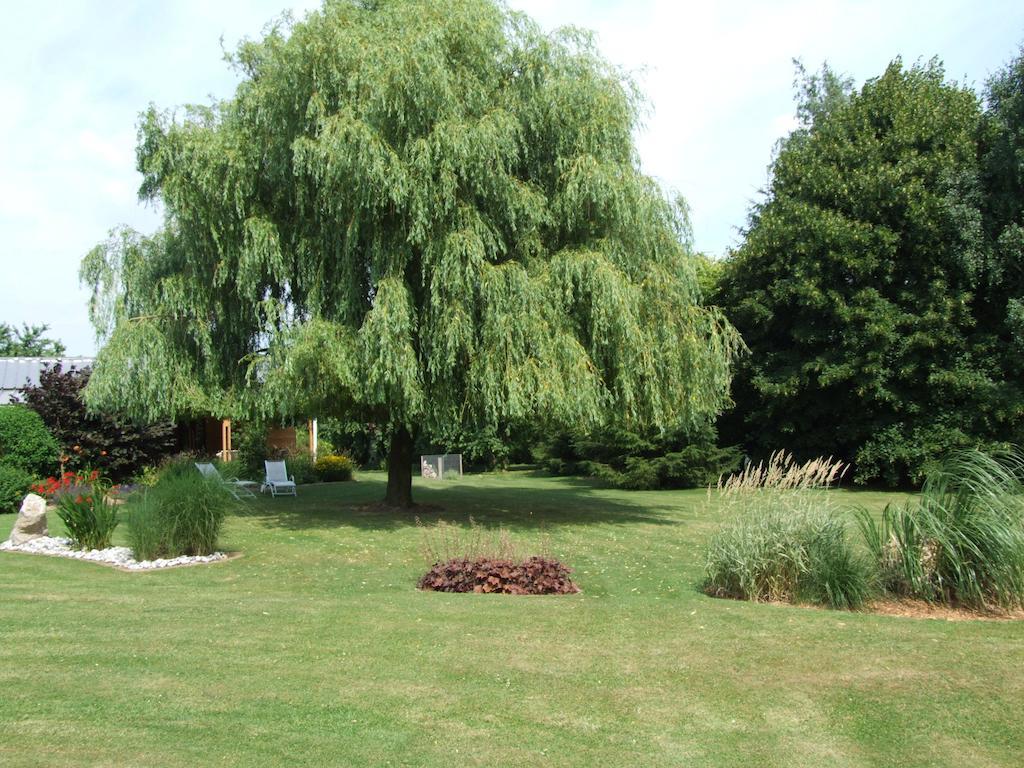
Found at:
(422, 214)
(119, 449)
(642, 461)
(856, 286)
(29, 341)
(1000, 302)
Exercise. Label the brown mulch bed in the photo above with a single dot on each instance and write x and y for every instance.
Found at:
(919, 609)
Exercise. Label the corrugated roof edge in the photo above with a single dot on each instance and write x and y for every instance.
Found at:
(15, 372)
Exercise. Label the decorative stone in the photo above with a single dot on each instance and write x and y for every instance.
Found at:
(120, 557)
(31, 522)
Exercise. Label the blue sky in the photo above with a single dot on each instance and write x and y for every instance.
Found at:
(718, 76)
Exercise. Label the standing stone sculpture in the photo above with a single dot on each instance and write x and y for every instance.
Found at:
(31, 522)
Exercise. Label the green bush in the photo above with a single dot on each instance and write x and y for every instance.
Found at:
(14, 485)
(787, 543)
(88, 515)
(300, 466)
(334, 468)
(250, 440)
(633, 461)
(962, 541)
(148, 476)
(25, 442)
(182, 514)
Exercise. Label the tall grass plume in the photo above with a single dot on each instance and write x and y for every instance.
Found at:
(786, 541)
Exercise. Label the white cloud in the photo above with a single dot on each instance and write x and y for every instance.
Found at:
(116, 151)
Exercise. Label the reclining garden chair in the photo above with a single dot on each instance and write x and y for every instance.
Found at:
(277, 480)
(237, 488)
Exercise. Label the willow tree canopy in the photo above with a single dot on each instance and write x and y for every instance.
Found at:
(425, 212)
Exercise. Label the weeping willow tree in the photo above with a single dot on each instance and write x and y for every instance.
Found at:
(420, 213)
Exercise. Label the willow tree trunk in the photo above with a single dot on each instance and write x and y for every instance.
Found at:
(399, 493)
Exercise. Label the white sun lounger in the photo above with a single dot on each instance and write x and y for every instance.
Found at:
(277, 480)
(237, 488)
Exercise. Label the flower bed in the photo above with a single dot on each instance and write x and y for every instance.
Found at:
(533, 576)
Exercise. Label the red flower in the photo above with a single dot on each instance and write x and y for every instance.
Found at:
(78, 499)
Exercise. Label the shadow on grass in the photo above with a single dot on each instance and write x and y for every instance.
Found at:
(537, 501)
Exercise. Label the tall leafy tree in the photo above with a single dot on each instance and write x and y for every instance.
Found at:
(415, 213)
(1001, 297)
(857, 285)
(28, 341)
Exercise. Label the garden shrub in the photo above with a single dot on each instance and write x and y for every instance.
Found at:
(300, 466)
(148, 476)
(182, 514)
(483, 448)
(787, 542)
(250, 440)
(15, 484)
(367, 444)
(25, 442)
(962, 541)
(633, 461)
(334, 468)
(479, 560)
(533, 576)
(118, 448)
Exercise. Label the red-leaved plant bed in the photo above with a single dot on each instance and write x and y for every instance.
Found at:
(533, 576)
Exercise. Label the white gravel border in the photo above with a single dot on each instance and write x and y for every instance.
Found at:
(119, 557)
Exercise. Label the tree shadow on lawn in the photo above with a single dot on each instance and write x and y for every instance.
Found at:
(567, 503)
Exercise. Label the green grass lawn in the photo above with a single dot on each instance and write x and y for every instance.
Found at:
(316, 649)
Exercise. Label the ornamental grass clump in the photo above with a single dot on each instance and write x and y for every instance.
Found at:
(787, 543)
(961, 542)
(182, 514)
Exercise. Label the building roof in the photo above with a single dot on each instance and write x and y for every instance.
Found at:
(17, 372)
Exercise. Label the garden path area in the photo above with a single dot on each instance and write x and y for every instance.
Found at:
(314, 648)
